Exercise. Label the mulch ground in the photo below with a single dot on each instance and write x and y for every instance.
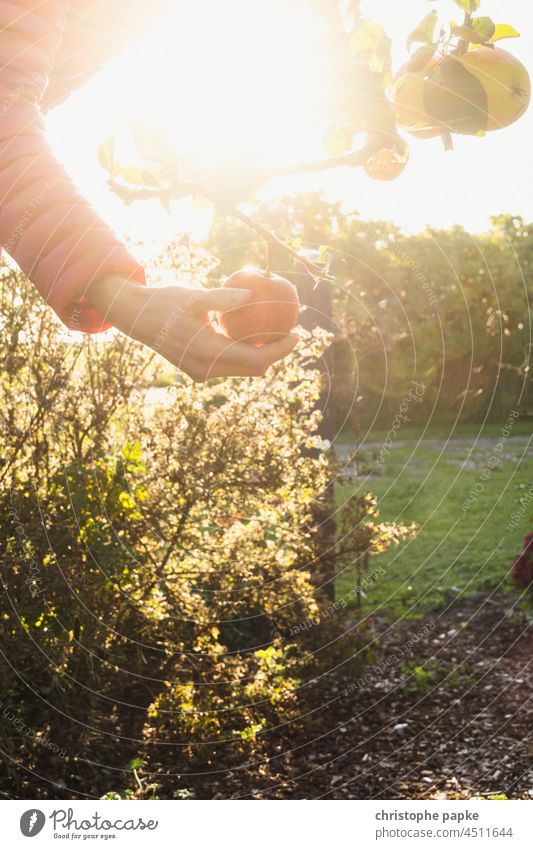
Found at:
(442, 710)
(447, 717)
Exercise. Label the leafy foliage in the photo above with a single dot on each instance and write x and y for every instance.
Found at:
(157, 544)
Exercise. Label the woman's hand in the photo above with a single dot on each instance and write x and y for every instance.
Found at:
(174, 321)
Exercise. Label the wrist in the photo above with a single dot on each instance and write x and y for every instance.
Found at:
(117, 298)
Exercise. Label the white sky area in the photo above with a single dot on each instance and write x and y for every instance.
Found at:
(208, 75)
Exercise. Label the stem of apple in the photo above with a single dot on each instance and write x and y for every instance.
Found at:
(462, 45)
(316, 272)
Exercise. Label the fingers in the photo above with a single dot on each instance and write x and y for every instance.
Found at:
(176, 327)
(219, 300)
(281, 348)
(214, 347)
(220, 357)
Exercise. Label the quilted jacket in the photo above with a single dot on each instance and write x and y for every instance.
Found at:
(47, 49)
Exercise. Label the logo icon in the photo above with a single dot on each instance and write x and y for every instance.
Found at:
(32, 822)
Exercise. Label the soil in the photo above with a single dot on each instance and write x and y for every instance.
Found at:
(449, 716)
(443, 709)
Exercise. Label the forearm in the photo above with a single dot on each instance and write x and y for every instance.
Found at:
(49, 229)
(119, 300)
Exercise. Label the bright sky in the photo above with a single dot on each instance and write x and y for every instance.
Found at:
(212, 77)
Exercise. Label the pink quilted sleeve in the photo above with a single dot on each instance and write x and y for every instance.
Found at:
(46, 226)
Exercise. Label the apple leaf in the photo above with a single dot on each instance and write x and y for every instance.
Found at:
(338, 140)
(484, 27)
(468, 34)
(478, 31)
(504, 31)
(366, 36)
(425, 30)
(468, 6)
(322, 257)
(202, 203)
(106, 155)
(371, 40)
(352, 12)
(455, 99)
(447, 140)
(383, 59)
(141, 175)
(421, 57)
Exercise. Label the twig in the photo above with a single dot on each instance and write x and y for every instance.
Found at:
(314, 270)
(352, 160)
(128, 194)
(348, 159)
(462, 45)
(139, 782)
(374, 142)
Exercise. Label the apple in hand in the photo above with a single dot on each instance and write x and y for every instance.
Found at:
(271, 312)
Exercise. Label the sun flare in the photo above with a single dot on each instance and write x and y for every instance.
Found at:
(236, 79)
(241, 82)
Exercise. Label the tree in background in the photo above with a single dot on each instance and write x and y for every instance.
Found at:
(442, 307)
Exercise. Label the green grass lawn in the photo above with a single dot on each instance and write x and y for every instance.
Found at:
(455, 550)
(440, 430)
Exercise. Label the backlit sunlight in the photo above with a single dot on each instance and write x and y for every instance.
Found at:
(244, 82)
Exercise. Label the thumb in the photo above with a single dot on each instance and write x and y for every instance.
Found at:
(220, 300)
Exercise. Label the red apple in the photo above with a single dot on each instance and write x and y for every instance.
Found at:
(271, 312)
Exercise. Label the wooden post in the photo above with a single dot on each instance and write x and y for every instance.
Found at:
(318, 312)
